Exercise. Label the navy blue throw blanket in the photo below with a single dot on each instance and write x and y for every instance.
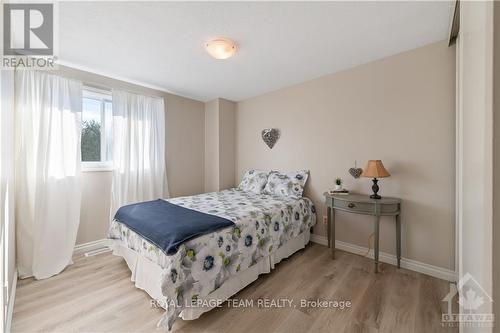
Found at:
(167, 225)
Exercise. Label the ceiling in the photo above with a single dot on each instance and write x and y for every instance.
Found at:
(161, 44)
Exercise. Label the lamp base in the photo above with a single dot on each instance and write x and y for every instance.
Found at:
(375, 189)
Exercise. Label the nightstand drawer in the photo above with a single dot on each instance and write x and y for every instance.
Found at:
(354, 206)
(389, 209)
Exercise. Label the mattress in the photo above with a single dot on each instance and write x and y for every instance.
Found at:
(263, 225)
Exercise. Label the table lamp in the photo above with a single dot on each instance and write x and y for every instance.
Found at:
(375, 169)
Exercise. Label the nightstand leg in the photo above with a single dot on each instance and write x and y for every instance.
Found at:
(328, 224)
(398, 239)
(377, 227)
(332, 237)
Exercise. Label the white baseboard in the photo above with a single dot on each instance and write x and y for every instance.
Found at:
(92, 246)
(10, 306)
(417, 266)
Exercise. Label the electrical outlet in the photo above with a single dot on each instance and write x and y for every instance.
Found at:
(325, 219)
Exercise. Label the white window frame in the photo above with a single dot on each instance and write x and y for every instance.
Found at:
(103, 96)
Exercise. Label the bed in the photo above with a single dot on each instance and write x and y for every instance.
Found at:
(207, 270)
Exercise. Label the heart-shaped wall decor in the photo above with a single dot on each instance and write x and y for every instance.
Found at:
(270, 136)
(356, 172)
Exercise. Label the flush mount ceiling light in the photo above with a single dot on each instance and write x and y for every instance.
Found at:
(221, 48)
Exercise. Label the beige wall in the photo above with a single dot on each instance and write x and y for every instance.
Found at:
(212, 146)
(219, 144)
(185, 135)
(399, 109)
(226, 143)
(96, 202)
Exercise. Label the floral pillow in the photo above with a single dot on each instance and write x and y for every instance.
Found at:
(290, 184)
(254, 181)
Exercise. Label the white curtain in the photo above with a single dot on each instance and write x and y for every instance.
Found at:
(138, 149)
(48, 182)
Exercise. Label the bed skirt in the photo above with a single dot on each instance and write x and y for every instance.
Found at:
(147, 275)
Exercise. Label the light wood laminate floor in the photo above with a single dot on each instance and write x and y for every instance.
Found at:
(95, 294)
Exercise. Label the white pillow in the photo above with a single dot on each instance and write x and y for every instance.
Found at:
(253, 181)
(290, 184)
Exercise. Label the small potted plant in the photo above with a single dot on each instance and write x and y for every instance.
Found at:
(338, 184)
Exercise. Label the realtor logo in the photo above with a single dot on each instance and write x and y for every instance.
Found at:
(474, 303)
(28, 29)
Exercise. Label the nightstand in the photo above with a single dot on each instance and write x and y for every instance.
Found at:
(363, 204)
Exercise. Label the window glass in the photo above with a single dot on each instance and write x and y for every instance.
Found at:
(91, 130)
(97, 129)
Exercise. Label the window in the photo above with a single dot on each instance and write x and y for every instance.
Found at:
(97, 126)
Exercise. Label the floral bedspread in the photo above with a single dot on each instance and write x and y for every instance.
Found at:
(262, 224)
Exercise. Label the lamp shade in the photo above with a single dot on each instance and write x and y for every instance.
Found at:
(375, 169)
